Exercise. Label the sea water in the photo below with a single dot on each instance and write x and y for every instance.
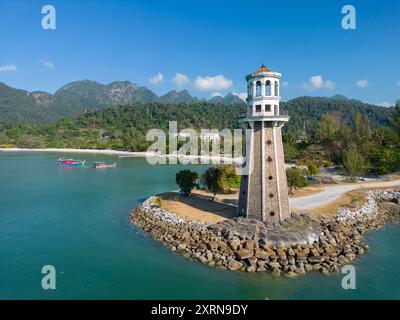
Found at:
(77, 220)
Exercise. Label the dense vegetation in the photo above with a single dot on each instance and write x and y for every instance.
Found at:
(358, 137)
(359, 148)
(120, 128)
(125, 127)
(306, 113)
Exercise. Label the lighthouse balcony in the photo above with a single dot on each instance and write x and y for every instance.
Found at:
(275, 119)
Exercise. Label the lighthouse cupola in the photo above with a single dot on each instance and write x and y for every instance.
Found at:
(263, 92)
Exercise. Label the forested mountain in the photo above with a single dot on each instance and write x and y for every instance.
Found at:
(78, 97)
(121, 126)
(306, 112)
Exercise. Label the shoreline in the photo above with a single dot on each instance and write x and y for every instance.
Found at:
(73, 150)
(127, 154)
(292, 249)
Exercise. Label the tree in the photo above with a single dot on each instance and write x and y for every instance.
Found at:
(386, 160)
(212, 179)
(328, 130)
(229, 179)
(353, 162)
(30, 141)
(312, 169)
(186, 181)
(395, 118)
(295, 179)
(290, 151)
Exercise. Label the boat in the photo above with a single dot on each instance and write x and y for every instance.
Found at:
(102, 165)
(71, 162)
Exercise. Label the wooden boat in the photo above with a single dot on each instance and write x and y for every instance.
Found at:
(103, 165)
(71, 163)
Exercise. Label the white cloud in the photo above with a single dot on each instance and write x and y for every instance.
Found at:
(216, 94)
(285, 84)
(398, 83)
(385, 104)
(207, 83)
(242, 95)
(157, 78)
(180, 79)
(47, 64)
(317, 82)
(8, 68)
(362, 83)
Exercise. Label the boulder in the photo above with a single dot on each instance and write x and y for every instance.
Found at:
(331, 251)
(316, 259)
(212, 245)
(264, 243)
(201, 247)
(300, 271)
(252, 268)
(209, 256)
(249, 244)
(281, 252)
(234, 244)
(223, 245)
(234, 265)
(244, 253)
(276, 272)
(261, 254)
(325, 272)
(274, 265)
(252, 260)
(291, 274)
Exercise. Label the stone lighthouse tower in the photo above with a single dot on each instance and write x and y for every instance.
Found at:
(263, 192)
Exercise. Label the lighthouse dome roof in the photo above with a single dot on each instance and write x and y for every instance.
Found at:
(262, 69)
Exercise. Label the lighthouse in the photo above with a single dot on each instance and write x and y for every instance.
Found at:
(263, 191)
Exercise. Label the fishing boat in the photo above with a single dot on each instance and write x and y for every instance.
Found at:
(102, 165)
(71, 162)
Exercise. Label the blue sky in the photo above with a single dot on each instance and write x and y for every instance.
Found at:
(212, 45)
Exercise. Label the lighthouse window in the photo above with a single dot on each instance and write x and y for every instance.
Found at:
(258, 88)
(269, 159)
(271, 195)
(267, 107)
(272, 213)
(258, 108)
(270, 177)
(268, 88)
(276, 88)
(269, 142)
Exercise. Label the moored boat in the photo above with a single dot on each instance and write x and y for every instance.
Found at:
(102, 165)
(71, 162)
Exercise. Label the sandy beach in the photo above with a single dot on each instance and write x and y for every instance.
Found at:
(188, 158)
(68, 150)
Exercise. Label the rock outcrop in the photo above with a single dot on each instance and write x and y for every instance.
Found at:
(297, 246)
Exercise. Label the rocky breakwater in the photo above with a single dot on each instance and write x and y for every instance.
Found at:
(297, 246)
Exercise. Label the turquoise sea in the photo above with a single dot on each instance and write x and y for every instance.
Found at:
(77, 220)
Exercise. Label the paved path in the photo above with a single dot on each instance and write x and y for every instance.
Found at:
(332, 193)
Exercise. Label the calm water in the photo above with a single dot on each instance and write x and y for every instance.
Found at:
(77, 220)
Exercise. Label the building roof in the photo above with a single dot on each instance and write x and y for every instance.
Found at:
(263, 68)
